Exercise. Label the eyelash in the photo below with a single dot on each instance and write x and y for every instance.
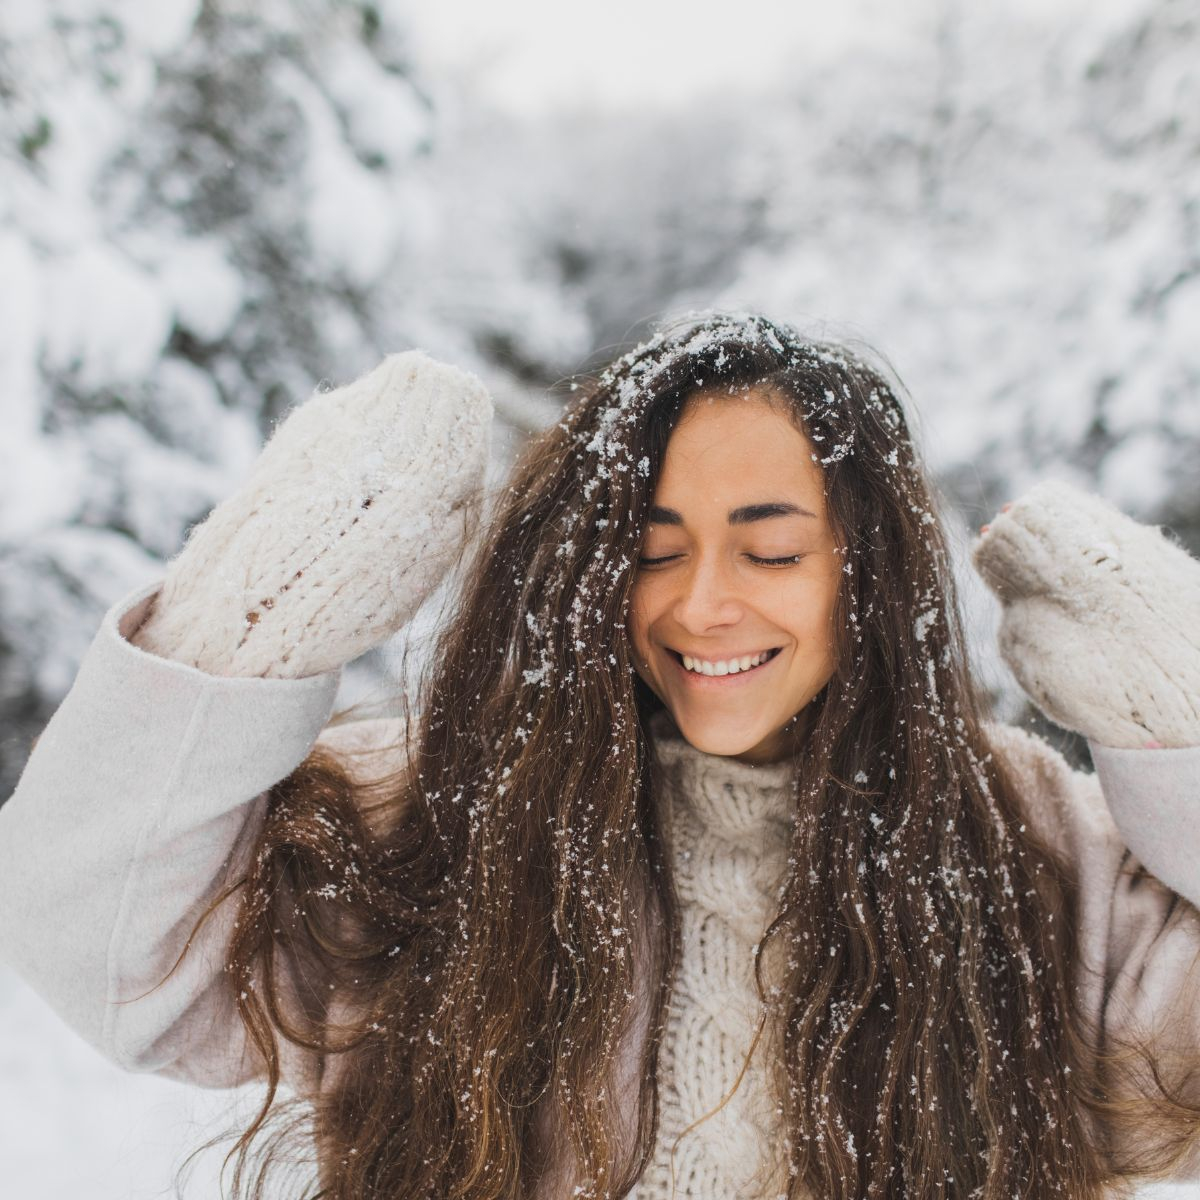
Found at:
(787, 561)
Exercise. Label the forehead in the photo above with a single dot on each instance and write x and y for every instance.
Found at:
(727, 446)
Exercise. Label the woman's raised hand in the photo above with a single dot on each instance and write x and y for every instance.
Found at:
(1101, 616)
(360, 502)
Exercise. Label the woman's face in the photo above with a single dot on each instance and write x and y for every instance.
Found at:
(738, 485)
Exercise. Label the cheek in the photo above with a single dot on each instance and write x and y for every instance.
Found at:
(823, 631)
(640, 614)
(646, 606)
(810, 616)
(638, 629)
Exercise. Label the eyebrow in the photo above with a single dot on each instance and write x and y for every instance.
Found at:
(737, 516)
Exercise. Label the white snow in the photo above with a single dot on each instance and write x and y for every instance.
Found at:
(202, 287)
(105, 319)
(73, 1124)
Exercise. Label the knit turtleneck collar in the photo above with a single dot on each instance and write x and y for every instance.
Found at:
(733, 800)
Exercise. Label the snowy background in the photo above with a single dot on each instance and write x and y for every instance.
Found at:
(207, 209)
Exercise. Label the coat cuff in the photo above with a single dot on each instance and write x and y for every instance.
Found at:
(1154, 798)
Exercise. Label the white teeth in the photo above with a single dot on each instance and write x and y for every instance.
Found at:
(725, 667)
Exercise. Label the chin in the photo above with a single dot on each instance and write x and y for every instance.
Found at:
(721, 742)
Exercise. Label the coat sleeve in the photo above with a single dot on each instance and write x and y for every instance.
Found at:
(1131, 830)
(126, 821)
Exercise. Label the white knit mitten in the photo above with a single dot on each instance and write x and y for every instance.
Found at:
(358, 505)
(1101, 617)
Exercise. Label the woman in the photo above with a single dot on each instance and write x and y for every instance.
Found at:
(601, 915)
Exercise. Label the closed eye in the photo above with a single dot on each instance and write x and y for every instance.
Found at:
(786, 561)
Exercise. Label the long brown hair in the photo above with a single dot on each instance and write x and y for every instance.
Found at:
(482, 913)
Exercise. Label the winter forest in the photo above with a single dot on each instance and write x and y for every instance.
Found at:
(210, 208)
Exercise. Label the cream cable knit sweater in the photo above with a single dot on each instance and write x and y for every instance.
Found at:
(728, 824)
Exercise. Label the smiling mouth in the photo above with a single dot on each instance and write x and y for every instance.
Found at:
(678, 657)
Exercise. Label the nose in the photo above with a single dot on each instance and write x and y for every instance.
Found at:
(708, 595)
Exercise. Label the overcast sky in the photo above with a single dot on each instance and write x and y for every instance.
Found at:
(530, 54)
(526, 55)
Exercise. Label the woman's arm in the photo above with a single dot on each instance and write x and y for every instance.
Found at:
(123, 827)
(1101, 626)
(144, 794)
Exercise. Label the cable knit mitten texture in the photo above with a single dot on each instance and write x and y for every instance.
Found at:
(358, 505)
(1101, 619)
